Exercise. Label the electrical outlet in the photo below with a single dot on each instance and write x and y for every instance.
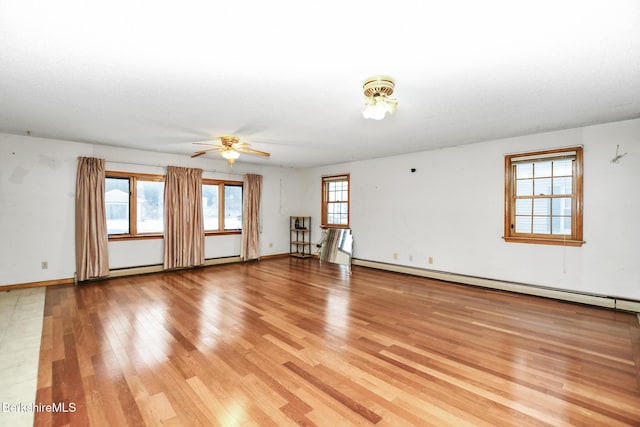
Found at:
(410, 257)
(395, 255)
(270, 245)
(45, 265)
(430, 260)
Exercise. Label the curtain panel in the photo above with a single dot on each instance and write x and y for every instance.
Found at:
(183, 225)
(92, 258)
(252, 190)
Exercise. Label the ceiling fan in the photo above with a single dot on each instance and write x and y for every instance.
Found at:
(230, 148)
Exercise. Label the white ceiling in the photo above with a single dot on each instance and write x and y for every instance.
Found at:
(287, 75)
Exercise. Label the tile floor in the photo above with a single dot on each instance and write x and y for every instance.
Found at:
(21, 313)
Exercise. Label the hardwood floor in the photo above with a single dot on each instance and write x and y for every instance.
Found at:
(287, 341)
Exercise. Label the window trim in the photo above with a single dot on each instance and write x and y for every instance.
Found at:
(576, 237)
(221, 184)
(324, 205)
(133, 190)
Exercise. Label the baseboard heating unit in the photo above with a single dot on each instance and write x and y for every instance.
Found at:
(129, 271)
(521, 288)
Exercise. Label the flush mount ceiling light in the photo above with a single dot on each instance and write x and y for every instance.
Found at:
(377, 97)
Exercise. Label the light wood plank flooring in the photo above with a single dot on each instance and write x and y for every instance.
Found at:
(288, 341)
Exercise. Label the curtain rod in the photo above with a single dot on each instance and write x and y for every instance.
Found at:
(164, 166)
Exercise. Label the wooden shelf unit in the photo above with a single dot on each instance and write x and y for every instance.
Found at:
(300, 236)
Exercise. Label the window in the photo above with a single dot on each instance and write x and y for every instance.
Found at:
(210, 207)
(335, 201)
(116, 199)
(222, 214)
(134, 205)
(543, 197)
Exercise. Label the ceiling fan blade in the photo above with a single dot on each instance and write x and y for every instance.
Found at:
(200, 153)
(250, 151)
(210, 144)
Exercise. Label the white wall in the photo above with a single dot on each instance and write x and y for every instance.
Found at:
(452, 208)
(37, 196)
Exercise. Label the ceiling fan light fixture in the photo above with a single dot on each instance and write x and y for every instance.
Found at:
(229, 148)
(230, 154)
(377, 93)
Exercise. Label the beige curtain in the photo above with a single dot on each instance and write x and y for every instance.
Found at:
(252, 190)
(183, 225)
(92, 259)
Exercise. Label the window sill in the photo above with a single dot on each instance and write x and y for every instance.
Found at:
(124, 237)
(130, 237)
(543, 241)
(222, 233)
(334, 226)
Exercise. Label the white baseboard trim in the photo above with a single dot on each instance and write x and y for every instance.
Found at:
(564, 295)
(627, 305)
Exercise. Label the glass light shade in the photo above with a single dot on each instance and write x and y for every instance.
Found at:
(230, 154)
(391, 105)
(377, 107)
(374, 112)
